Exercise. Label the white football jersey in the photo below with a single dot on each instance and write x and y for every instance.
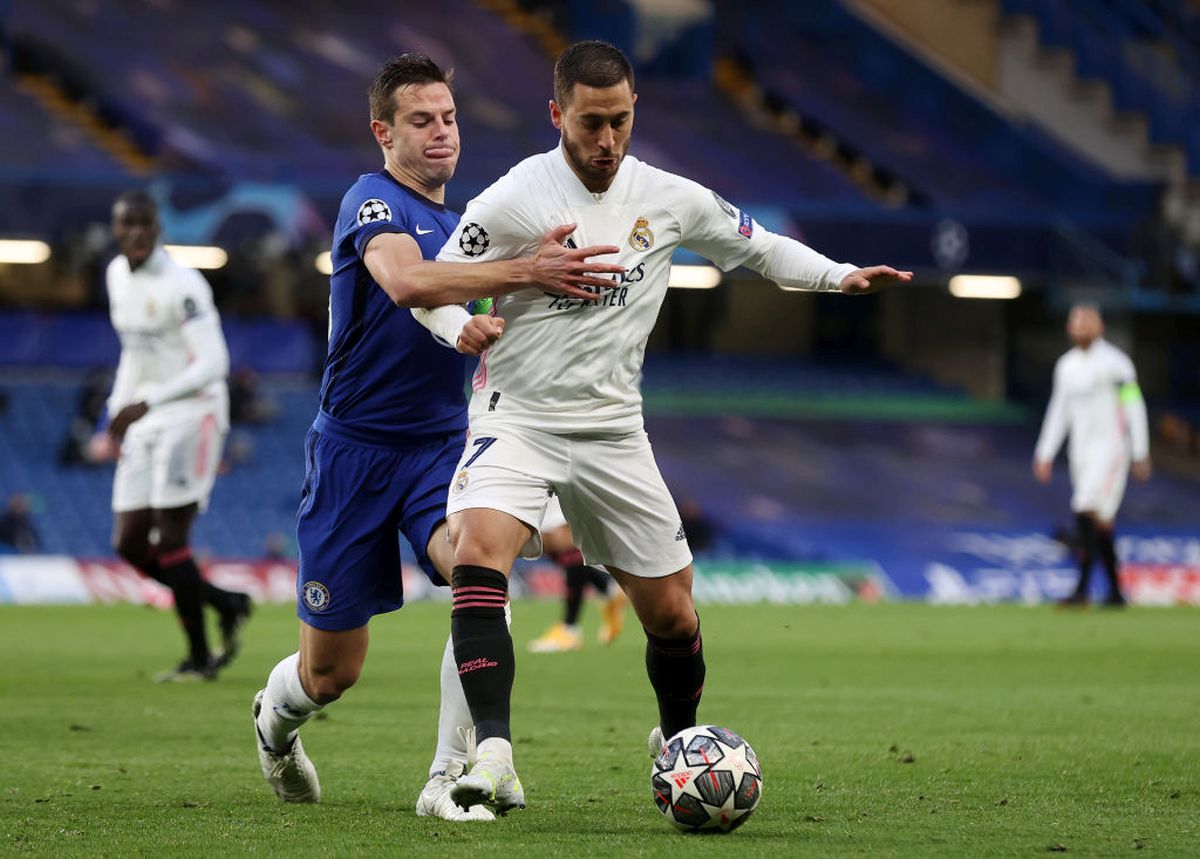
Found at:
(173, 353)
(572, 365)
(1086, 403)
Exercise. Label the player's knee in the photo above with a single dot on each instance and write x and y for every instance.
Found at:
(672, 618)
(326, 682)
(132, 548)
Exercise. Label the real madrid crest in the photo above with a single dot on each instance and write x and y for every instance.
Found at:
(460, 481)
(150, 308)
(641, 238)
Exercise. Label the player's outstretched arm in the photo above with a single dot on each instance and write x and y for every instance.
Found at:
(395, 262)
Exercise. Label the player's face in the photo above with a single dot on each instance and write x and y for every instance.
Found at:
(422, 139)
(135, 229)
(596, 126)
(1084, 325)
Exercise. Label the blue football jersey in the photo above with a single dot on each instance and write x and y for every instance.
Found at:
(387, 381)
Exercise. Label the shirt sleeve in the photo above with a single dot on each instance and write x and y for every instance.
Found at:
(1054, 425)
(444, 323)
(1133, 406)
(200, 325)
(494, 226)
(730, 237)
(366, 214)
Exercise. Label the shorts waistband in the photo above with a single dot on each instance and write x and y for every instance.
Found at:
(331, 427)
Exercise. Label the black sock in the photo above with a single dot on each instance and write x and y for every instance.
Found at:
(577, 579)
(150, 568)
(600, 580)
(483, 647)
(1108, 558)
(183, 577)
(1087, 552)
(226, 602)
(676, 670)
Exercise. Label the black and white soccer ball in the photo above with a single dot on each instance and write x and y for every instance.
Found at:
(706, 778)
(473, 240)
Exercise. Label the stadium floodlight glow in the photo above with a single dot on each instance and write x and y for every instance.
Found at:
(206, 257)
(694, 277)
(23, 251)
(324, 262)
(984, 286)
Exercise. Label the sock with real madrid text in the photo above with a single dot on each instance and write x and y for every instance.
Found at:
(456, 728)
(676, 669)
(285, 706)
(182, 576)
(483, 647)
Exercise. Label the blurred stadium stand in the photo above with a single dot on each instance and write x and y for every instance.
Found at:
(870, 129)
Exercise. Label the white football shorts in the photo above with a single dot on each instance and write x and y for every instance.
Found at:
(164, 466)
(553, 518)
(620, 510)
(1099, 484)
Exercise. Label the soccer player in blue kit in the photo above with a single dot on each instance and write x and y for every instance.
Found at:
(391, 426)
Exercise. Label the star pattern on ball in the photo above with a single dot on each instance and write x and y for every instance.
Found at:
(473, 240)
(373, 211)
(706, 778)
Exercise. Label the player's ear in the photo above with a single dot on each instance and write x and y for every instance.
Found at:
(556, 115)
(382, 132)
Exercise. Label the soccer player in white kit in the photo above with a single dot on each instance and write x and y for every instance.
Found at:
(556, 405)
(169, 413)
(1096, 400)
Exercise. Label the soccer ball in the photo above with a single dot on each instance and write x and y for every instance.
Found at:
(473, 240)
(706, 778)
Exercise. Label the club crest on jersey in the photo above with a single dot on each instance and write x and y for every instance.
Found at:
(150, 308)
(316, 596)
(641, 238)
(460, 481)
(473, 240)
(374, 211)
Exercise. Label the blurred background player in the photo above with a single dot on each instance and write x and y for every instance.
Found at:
(1095, 400)
(559, 545)
(168, 415)
(391, 423)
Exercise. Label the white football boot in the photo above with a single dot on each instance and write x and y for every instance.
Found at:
(492, 781)
(435, 801)
(291, 774)
(655, 742)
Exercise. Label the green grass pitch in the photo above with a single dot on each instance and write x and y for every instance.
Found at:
(889, 730)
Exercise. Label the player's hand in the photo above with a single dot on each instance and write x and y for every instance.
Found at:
(101, 447)
(1043, 470)
(1142, 469)
(479, 333)
(127, 415)
(864, 280)
(560, 270)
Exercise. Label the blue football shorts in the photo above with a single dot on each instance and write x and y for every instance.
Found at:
(355, 499)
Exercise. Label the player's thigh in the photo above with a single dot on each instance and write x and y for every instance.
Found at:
(499, 493)
(134, 475)
(346, 535)
(621, 512)
(664, 604)
(427, 470)
(186, 460)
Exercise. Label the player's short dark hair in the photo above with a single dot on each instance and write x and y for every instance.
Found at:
(137, 199)
(404, 70)
(591, 63)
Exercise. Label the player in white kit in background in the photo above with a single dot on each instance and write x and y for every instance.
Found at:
(168, 414)
(1095, 400)
(556, 404)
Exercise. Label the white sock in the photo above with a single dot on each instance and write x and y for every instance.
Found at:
(453, 752)
(285, 706)
(454, 716)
